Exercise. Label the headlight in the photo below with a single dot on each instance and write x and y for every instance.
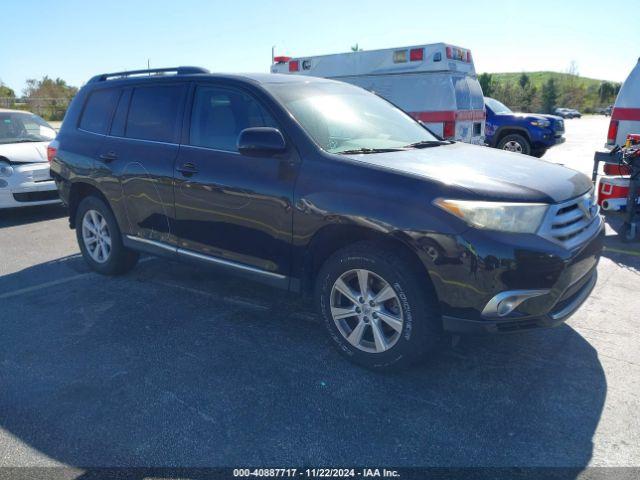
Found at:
(504, 217)
(6, 170)
(541, 123)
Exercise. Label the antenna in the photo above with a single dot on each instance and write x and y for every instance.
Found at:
(149, 66)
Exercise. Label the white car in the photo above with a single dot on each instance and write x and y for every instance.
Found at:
(24, 168)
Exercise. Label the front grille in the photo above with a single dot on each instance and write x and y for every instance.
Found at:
(36, 196)
(572, 223)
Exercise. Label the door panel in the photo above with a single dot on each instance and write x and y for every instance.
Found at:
(141, 152)
(228, 205)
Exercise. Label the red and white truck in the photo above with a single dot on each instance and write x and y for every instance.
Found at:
(625, 116)
(435, 83)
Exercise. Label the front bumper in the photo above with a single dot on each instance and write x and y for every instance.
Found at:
(470, 269)
(568, 305)
(29, 184)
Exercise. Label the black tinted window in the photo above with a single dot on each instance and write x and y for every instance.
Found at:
(219, 115)
(154, 113)
(98, 110)
(120, 117)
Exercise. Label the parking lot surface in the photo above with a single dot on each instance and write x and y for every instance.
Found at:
(173, 365)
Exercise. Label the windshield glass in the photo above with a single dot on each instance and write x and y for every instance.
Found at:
(343, 118)
(496, 106)
(18, 127)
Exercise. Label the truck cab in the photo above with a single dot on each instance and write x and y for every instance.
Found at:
(528, 133)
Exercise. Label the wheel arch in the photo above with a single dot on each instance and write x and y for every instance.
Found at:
(78, 191)
(331, 238)
(511, 130)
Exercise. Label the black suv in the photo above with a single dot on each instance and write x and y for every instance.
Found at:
(321, 187)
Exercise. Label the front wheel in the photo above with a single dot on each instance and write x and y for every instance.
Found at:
(376, 308)
(100, 240)
(539, 153)
(515, 143)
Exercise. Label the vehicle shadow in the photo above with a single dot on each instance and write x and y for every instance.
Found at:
(13, 217)
(173, 366)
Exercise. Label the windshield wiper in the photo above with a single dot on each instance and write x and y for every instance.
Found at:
(369, 150)
(429, 143)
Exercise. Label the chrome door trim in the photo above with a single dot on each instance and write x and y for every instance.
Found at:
(229, 263)
(207, 258)
(154, 243)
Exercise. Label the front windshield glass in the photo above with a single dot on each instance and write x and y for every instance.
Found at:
(343, 118)
(496, 106)
(17, 127)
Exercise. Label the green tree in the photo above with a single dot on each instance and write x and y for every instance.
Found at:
(549, 95)
(48, 97)
(606, 92)
(6, 91)
(485, 80)
(524, 81)
(356, 48)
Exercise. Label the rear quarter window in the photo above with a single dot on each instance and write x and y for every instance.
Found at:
(154, 113)
(98, 109)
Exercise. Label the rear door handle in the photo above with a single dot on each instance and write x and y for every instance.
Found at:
(109, 157)
(188, 169)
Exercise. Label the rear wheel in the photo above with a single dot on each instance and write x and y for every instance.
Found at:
(377, 310)
(515, 143)
(100, 240)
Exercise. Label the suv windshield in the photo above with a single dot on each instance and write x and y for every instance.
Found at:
(496, 106)
(16, 127)
(342, 118)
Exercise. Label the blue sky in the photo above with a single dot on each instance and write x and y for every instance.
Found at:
(75, 39)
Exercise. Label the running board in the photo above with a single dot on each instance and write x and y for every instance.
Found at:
(163, 249)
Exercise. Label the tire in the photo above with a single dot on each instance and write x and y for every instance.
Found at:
(413, 302)
(115, 259)
(539, 153)
(515, 143)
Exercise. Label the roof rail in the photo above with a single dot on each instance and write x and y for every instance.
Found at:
(153, 71)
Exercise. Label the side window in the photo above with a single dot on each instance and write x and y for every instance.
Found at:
(154, 113)
(98, 110)
(463, 96)
(219, 115)
(120, 117)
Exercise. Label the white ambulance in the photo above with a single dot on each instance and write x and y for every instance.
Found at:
(625, 117)
(436, 84)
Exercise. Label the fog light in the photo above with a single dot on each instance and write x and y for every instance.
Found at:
(506, 302)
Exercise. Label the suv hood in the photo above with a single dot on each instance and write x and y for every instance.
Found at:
(487, 173)
(27, 152)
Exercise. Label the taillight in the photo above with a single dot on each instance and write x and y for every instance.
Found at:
(449, 130)
(52, 149)
(416, 54)
(449, 52)
(468, 56)
(613, 132)
(294, 66)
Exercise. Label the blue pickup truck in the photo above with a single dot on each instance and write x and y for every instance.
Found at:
(528, 133)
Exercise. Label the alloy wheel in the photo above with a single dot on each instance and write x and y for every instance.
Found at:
(366, 310)
(96, 236)
(513, 146)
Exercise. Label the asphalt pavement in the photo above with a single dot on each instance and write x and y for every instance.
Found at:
(173, 365)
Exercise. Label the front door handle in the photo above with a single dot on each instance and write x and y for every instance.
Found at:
(188, 169)
(109, 157)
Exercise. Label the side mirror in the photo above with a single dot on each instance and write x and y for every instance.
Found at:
(261, 141)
